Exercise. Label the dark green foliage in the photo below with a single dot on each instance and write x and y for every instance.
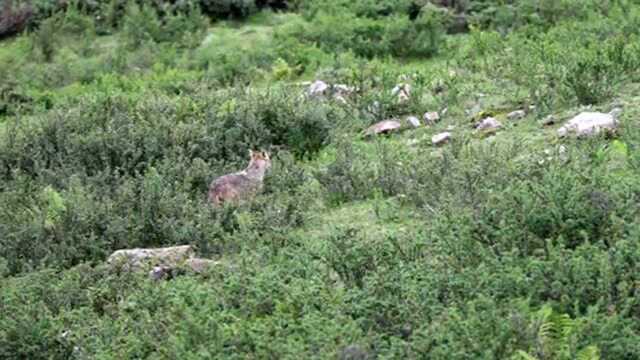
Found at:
(13, 18)
(116, 116)
(370, 37)
(120, 163)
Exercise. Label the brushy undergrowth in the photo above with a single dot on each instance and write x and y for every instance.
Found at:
(115, 117)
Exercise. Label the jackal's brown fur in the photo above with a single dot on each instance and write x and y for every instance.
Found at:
(243, 184)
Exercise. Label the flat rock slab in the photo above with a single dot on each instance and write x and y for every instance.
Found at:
(196, 265)
(516, 115)
(440, 139)
(588, 124)
(431, 117)
(489, 124)
(413, 121)
(161, 263)
(383, 127)
(142, 259)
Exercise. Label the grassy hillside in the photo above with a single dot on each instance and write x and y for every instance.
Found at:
(512, 243)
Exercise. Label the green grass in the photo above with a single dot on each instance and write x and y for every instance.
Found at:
(481, 248)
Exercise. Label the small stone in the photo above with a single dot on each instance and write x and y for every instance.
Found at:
(431, 117)
(451, 127)
(374, 107)
(549, 120)
(441, 138)
(339, 98)
(488, 124)
(318, 88)
(516, 115)
(413, 121)
(402, 92)
(342, 89)
(159, 272)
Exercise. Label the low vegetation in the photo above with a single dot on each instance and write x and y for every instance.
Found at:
(115, 117)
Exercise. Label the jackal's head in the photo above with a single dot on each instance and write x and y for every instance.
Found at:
(259, 160)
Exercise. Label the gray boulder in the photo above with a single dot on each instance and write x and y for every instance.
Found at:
(413, 121)
(440, 139)
(516, 115)
(142, 259)
(383, 127)
(488, 124)
(590, 123)
(317, 88)
(161, 263)
(431, 117)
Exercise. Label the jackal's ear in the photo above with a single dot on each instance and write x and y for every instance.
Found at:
(251, 153)
(264, 154)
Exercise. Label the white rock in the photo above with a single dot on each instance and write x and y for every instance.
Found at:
(383, 127)
(414, 121)
(431, 117)
(441, 138)
(318, 88)
(160, 272)
(343, 89)
(402, 92)
(403, 98)
(374, 107)
(588, 123)
(549, 120)
(488, 124)
(339, 98)
(516, 115)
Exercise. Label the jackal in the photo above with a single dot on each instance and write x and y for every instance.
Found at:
(241, 185)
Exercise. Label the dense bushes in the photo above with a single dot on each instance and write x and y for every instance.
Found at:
(370, 37)
(515, 246)
(13, 18)
(121, 160)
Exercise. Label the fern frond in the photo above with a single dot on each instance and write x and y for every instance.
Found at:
(522, 355)
(589, 353)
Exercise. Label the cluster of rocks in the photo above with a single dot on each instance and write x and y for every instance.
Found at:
(320, 89)
(160, 263)
(391, 125)
(584, 124)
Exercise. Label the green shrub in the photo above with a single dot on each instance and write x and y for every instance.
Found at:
(45, 39)
(222, 9)
(13, 18)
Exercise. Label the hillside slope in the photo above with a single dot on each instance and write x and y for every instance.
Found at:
(504, 242)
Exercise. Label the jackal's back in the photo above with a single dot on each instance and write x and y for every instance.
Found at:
(232, 187)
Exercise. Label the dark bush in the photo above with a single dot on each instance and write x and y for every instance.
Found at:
(13, 18)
